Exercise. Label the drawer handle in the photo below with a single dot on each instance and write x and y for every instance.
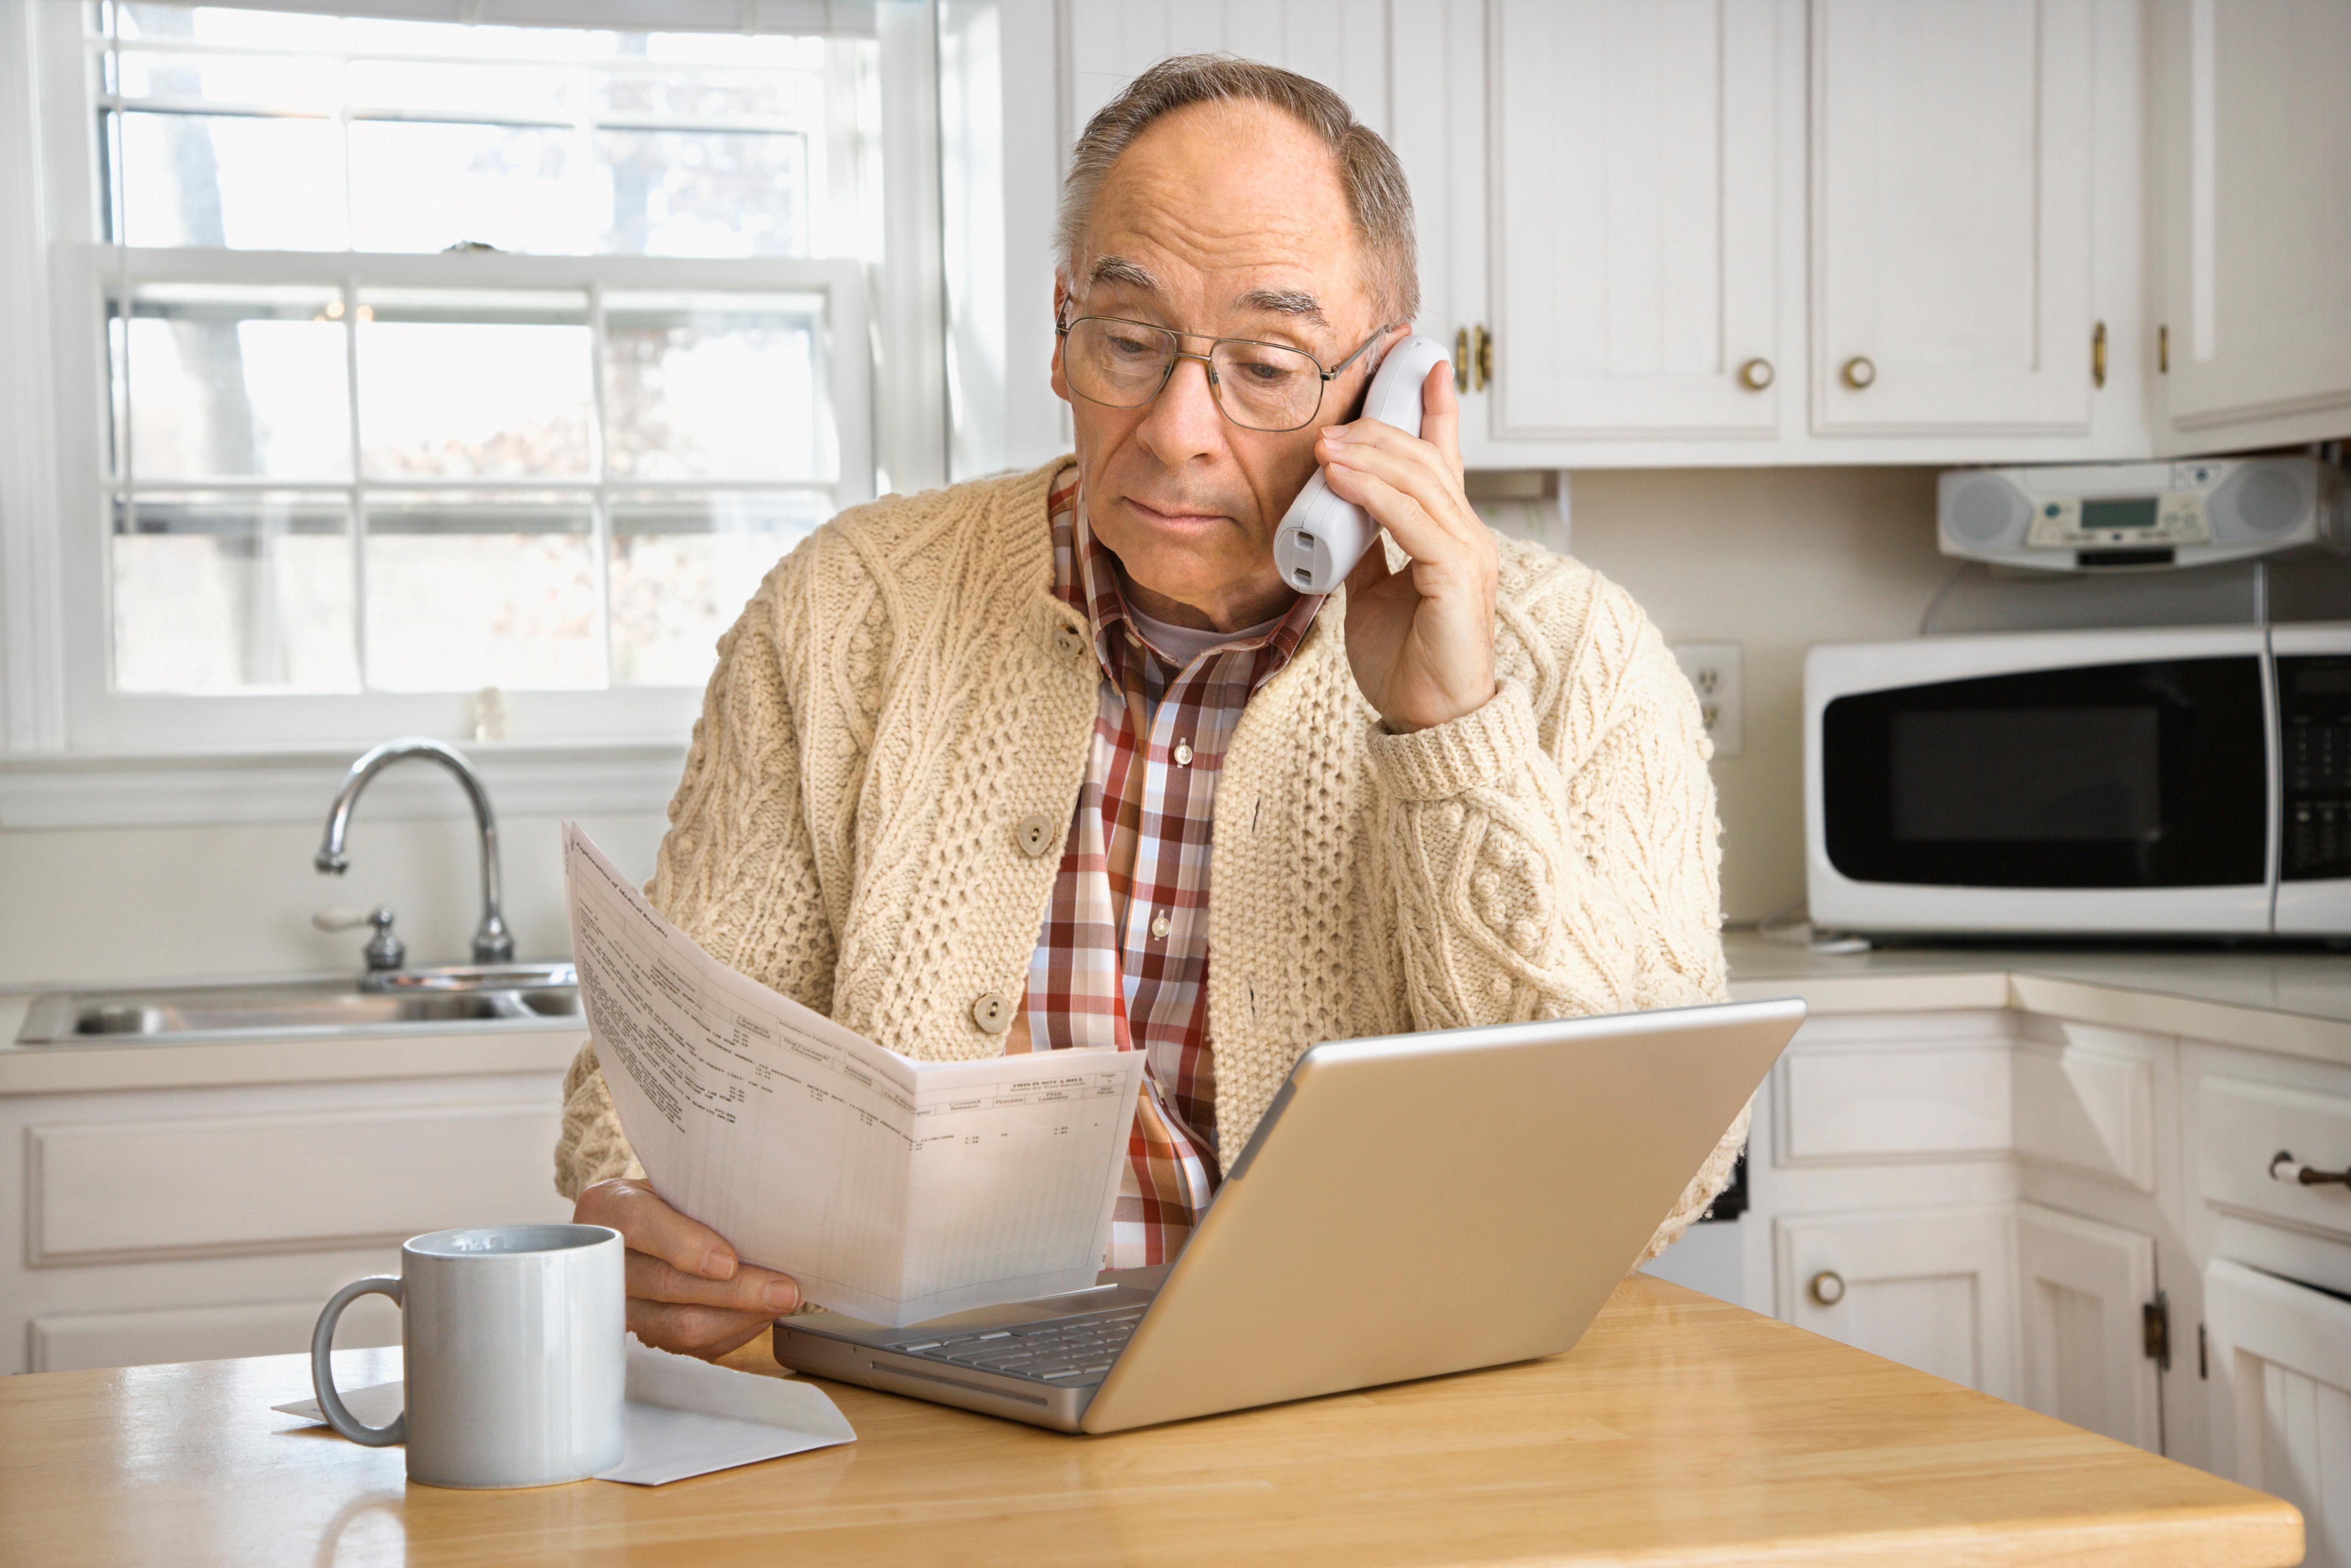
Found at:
(1827, 1287)
(2285, 1168)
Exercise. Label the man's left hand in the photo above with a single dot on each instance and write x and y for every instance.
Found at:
(1421, 639)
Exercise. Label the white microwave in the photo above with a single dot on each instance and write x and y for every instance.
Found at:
(2191, 781)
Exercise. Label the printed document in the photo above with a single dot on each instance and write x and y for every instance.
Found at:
(891, 1189)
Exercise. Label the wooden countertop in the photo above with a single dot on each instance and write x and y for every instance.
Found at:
(1682, 1430)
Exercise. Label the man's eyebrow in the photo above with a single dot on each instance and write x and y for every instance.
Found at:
(1295, 302)
(1119, 269)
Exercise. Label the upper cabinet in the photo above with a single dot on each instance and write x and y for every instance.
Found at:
(2252, 129)
(1952, 172)
(1634, 217)
(1737, 232)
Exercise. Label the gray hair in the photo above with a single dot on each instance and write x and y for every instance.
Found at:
(1377, 196)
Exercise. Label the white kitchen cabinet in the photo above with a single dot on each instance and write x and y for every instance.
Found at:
(1343, 44)
(2280, 1354)
(1929, 1287)
(2252, 128)
(1634, 217)
(192, 1223)
(1951, 217)
(2085, 1290)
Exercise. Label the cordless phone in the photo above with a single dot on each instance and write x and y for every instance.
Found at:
(1322, 537)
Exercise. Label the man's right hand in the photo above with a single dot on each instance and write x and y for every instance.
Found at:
(687, 1291)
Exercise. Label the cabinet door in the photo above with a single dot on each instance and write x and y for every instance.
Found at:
(1930, 1288)
(1632, 217)
(2253, 126)
(2084, 1289)
(2279, 1356)
(1951, 214)
(1342, 44)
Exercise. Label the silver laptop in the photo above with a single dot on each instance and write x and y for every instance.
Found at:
(1410, 1206)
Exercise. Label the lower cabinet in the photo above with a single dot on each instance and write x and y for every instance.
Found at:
(2279, 1355)
(202, 1223)
(2083, 1294)
(1928, 1287)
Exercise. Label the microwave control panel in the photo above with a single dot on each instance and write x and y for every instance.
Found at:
(2066, 522)
(2314, 714)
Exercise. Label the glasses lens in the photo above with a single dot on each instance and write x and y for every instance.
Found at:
(1121, 364)
(1266, 386)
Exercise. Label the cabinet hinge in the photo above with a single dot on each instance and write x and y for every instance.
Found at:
(2155, 1329)
(2099, 356)
(2203, 1361)
(2163, 351)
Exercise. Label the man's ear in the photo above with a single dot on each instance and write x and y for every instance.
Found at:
(1061, 303)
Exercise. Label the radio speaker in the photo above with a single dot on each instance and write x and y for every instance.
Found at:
(2260, 501)
(1988, 513)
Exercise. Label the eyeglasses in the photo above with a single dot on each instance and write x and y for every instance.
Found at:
(1258, 386)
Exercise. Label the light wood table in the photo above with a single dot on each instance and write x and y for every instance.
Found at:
(1681, 1430)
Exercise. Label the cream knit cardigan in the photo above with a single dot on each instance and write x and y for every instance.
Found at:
(905, 689)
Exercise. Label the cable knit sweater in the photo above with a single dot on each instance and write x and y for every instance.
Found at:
(905, 689)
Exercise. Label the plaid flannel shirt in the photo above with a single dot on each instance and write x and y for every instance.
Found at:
(1122, 957)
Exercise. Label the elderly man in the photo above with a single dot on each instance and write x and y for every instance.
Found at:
(1057, 760)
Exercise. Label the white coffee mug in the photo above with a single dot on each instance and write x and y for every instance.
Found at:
(515, 1354)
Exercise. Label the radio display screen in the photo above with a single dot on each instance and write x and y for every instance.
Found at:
(2135, 512)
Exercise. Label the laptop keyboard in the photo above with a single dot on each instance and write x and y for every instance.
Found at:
(1059, 1350)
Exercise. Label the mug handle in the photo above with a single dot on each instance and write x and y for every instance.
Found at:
(322, 1370)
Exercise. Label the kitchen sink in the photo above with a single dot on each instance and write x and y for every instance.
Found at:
(509, 996)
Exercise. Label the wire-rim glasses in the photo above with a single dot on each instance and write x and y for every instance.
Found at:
(1269, 387)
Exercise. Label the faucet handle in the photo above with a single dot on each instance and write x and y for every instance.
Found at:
(384, 951)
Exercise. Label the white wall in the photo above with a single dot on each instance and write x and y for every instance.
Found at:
(1774, 560)
(126, 904)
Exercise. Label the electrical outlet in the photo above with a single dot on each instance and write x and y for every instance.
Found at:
(1714, 673)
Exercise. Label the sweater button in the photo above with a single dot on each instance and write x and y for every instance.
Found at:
(992, 1013)
(1036, 834)
(1068, 643)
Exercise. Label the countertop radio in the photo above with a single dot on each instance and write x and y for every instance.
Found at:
(2085, 517)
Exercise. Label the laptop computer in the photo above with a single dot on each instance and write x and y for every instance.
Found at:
(1410, 1205)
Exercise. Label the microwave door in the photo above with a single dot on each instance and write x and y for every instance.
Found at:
(2112, 797)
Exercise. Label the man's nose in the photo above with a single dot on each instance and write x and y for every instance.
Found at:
(1183, 421)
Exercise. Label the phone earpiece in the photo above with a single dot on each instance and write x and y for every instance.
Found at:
(1322, 537)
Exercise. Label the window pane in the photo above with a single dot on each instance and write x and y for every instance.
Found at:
(246, 182)
(710, 387)
(222, 593)
(236, 382)
(681, 569)
(303, 83)
(472, 590)
(423, 187)
(473, 385)
(702, 193)
(495, 92)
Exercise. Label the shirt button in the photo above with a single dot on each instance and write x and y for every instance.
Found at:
(992, 1013)
(1067, 641)
(1036, 834)
(1159, 925)
(1183, 754)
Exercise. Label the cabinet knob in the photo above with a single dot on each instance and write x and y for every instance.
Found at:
(1755, 374)
(1461, 360)
(1484, 371)
(1858, 372)
(2285, 1168)
(1827, 1288)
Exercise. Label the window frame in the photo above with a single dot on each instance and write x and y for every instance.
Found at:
(56, 632)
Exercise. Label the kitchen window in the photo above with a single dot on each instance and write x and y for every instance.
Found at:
(399, 358)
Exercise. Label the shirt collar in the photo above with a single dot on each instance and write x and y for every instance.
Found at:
(1086, 576)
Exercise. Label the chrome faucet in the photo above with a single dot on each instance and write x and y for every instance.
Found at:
(492, 943)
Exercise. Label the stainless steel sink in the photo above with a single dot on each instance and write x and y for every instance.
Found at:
(519, 996)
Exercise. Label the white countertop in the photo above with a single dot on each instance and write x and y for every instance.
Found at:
(2296, 1002)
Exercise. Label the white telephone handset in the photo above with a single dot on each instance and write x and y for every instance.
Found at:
(1322, 537)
